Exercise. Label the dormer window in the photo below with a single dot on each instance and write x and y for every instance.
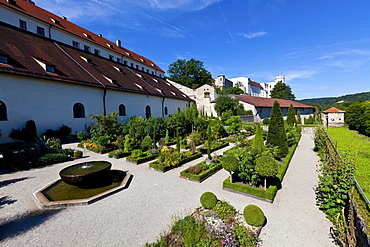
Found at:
(111, 57)
(110, 80)
(139, 75)
(50, 68)
(3, 59)
(97, 52)
(87, 35)
(87, 60)
(155, 80)
(55, 21)
(118, 60)
(110, 46)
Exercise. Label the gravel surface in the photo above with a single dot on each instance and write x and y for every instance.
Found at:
(147, 207)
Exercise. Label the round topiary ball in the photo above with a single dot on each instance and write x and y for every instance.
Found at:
(77, 154)
(208, 200)
(253, 215)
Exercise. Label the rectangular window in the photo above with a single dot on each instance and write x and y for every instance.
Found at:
(118, 60)
(96, 52)
(40, 31)
(124, 62)
(87, 48)
(50, 69)
(132, 65)
(76, 44)
(3, 59)
(22, 24)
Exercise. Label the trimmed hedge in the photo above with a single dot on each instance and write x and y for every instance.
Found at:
(204, 150)
(101, 150)
(203, 175)
(118, 154)
(141, 160)
(270, 193)
(155, 165)
(253, 215)
(52, 158)
(208, 200)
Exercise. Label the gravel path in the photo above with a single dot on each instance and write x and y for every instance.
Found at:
(146, 208)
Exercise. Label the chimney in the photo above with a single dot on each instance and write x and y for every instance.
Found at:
(118, 43)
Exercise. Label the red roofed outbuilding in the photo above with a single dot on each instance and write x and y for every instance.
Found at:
(333, 117)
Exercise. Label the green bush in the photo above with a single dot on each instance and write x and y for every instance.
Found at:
(81, 135)
(208, 200)
(266, 121)
(253, 215)
(52, 158)
(77, 154)
(224, 210)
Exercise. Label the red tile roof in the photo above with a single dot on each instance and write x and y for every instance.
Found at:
(333, 110)
(45, 16)
(256, 84)
(269, 102)
(23, 49)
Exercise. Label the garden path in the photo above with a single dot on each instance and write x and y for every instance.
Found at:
(141, 212)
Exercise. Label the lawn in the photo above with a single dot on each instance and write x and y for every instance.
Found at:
(354, 147)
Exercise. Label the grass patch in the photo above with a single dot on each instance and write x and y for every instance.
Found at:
(354, 148)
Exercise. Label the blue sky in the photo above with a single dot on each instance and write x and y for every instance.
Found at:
(322, 47)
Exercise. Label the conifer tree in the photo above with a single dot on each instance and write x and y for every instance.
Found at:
(291, 121)
(276, 135)
(258, 143)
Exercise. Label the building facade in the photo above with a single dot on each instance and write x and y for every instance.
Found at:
(333, 117)
(57, 73)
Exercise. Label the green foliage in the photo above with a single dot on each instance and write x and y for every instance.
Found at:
(77, 154)
(291, 121)
(335, 182)
(191, 230)
(266, 121)
(230, 163)
(234, 90)
(357, 117)
(267, 166)
(258, 143)
(282, 91)
(52, 158)
(235, 125)
(136, 153)
(254, 215)
(28, 133)
(146, 143)
(127, 147)
(53, 144)
(190, 73)
(107, 128)
(224, 210)
(81, 135)
(245, 236)
(208, 200)
(327, 102)
(226, 103)
(276, 136)
(201, 171)
(61, 133)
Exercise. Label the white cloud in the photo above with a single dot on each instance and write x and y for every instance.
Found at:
(345, 52)
(253, 35)
(188, 5)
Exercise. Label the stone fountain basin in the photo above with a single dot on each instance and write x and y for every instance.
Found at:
(84, 174)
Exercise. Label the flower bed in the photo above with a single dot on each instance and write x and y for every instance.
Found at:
(200, 171)
(268, 194)
(214, 146)
(95, 148)
(119, 153)
(140, 160)
(157, 165)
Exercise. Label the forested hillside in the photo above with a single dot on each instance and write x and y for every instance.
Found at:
(332, 100)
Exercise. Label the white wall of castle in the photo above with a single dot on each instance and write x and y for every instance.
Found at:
(50, 104)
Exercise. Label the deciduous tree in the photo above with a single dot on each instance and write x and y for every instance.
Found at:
(282, 91)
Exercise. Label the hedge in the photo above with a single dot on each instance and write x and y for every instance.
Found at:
(270, 193)
(155, 165)
(203, 175)
(118, 154)
(204, 150)
(101, 150)
(141, 160)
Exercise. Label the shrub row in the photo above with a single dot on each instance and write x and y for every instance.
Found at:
(270, 193)
(52, 158)
(217, 147)
(118, 154)
(140, 160)
(101, 150)
(203, 175)
(164, 168)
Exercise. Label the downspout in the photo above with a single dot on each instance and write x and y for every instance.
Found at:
(104, 88)
(50, 26)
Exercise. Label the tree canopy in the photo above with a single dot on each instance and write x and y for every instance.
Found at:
(190, 73)
(282, 91)
(226, 103)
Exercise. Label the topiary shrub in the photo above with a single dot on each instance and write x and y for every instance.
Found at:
(77, 154)
(208, 200)
(253, 215)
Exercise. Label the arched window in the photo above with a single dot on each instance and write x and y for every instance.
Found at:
(3, 115)
(78, 110)
(178, 109)
(122, 110)
(165, 111)
(147, 111)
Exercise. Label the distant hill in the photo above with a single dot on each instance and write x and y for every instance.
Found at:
(332, 100)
